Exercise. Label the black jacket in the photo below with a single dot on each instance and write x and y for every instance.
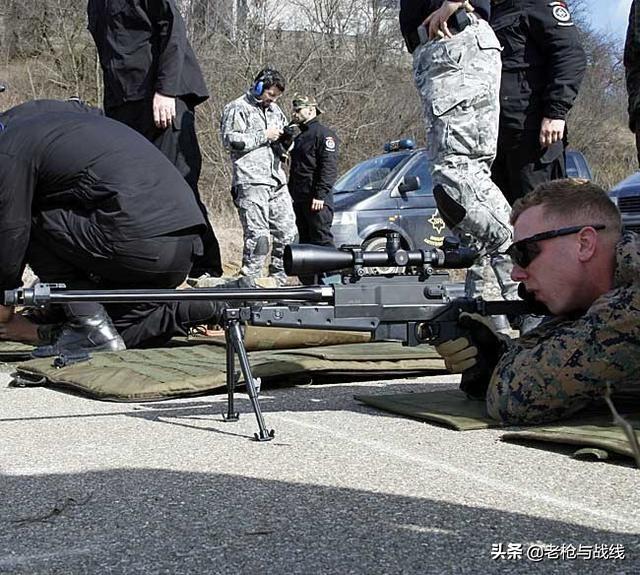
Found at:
(314, 163)
(542, 62)
(143, 49)
(87, 177)
(32, 107)
(632, 66)
(414, 12)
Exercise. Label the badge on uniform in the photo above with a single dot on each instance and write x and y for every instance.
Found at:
(560, 12)
(330, 144)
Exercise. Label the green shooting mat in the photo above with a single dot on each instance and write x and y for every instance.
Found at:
(14, 351)
(449, 407)
(593, 430)
(598, 436)
(154, 374)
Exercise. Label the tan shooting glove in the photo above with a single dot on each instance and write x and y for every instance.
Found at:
(475, 354)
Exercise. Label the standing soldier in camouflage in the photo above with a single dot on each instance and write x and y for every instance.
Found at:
(632, 67)
(571, 256)
(542, 67)
(456, 63)
(251, 127)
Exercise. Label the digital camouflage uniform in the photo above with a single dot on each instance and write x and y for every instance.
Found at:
(459, 81)
(632, 67)
(558, 368)
(259, 185)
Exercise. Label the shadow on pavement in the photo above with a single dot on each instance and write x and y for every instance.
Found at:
(158, 521)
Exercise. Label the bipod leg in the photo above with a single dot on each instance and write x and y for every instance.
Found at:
(232, 377)
(235, 334)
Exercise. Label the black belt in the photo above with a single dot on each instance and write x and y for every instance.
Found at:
(456, 24)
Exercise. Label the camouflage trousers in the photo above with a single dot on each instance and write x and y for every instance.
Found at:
(459, 83)
(266, 212)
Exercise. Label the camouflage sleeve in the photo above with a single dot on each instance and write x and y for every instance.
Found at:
(238, 135)
(559, 368)
(632, 66)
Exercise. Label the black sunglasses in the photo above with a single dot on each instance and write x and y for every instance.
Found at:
(523, 252)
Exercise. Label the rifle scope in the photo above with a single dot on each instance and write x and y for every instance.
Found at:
(301, 259)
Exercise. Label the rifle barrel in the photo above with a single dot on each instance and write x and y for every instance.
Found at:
(39, 295)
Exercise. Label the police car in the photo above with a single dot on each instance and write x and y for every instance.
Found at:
(626, 195)
(394, 192)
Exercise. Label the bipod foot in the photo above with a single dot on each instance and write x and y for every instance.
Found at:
(266, 435)
(233, 416)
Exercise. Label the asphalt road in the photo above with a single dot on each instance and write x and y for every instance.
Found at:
(93, 487)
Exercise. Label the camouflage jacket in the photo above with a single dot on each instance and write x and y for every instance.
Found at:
(242, 128)
(562, 366)
(632, 66)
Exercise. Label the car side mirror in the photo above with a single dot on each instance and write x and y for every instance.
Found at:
(409, 184)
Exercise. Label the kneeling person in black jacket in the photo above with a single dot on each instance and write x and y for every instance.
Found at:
(314, 169)
(88, 202)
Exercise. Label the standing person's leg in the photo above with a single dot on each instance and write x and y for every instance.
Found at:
(530, 165)
(319, 225)
(459, 81)
(505, 170)
(301, 209)
(252, 203)
(282, 224)
(179, 144)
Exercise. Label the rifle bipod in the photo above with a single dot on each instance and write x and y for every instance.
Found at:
(235, 346)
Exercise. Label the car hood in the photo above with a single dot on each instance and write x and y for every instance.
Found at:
(629, 186)
(344, 201)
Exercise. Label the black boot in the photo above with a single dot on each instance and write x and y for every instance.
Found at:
(84, 334)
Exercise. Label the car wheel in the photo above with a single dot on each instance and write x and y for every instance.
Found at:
(379, 244)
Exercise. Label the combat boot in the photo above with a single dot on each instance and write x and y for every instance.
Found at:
(84, 334)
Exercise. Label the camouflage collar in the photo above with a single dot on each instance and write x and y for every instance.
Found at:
(628, 259)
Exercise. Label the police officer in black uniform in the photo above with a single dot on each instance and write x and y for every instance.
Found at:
(542, 67)
(152, 83)
(314, 169)
(90, 203)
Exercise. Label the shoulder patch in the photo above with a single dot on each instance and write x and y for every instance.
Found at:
(330, 144)
(560, 11)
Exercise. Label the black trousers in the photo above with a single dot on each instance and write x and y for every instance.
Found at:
(159, 262)
(179, 144)
(521, 163)
(313, 227)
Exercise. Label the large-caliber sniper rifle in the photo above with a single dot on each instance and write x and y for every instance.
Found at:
(417, 307)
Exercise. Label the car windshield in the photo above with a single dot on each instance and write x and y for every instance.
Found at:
(370, 175)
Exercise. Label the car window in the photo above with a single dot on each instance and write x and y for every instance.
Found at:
(420, 168)
(371, 174)
(572, 167)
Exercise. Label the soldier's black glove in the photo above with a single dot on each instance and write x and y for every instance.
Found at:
(475, 354)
